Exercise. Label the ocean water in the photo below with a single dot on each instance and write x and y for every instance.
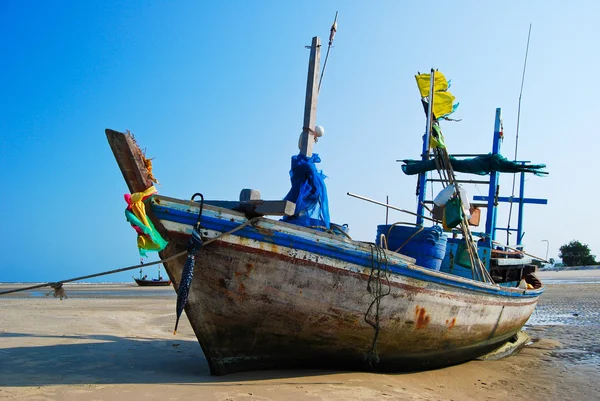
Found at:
(578, 280)
(569, 312)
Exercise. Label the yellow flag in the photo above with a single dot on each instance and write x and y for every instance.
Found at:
(423, 82)
(442, 103)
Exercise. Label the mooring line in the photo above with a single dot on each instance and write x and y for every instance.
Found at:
(58, 284)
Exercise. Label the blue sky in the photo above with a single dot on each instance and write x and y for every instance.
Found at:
(215, 92)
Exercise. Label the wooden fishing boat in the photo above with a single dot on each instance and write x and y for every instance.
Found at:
(271, 294)
(143, 280)
(152, 283)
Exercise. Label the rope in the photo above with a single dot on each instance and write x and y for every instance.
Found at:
(312, 132)
(447, 175)
(332, 32)
(421, 228)
(375, 287)
(477, 267)
(124, 269)
(57, 285)
(331, 231)
(410, 238)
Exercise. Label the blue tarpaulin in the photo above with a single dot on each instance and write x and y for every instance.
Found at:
(308, 192)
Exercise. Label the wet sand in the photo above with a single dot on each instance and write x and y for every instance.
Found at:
(115, 342)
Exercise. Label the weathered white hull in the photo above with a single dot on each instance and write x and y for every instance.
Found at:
(277, 295)
(265, 297)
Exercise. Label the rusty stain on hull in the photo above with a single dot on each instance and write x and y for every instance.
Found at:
(422, 317)
(451, 323)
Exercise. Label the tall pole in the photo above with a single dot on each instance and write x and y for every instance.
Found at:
(490, 221)
(521, 204)
(387, 209)
(307, 139)
(425, 154)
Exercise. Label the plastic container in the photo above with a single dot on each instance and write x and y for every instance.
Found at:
(464, 198)
(444, 195)
(428, 247)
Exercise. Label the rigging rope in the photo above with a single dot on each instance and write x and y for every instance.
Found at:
(332, 32)
(375, 287)
(57, 285)
(477, 267)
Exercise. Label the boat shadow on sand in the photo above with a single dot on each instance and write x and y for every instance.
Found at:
(106, 359)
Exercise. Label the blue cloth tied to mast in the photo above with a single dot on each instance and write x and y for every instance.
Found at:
(308, 192)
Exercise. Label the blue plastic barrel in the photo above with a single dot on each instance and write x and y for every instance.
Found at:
(428, 247)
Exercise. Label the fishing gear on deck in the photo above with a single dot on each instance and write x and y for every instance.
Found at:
(194, 245)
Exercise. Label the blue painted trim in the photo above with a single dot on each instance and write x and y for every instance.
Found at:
(355, 257)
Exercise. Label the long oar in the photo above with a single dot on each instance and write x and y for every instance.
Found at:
(194, 246)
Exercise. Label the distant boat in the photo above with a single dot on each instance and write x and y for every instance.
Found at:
(143, 281)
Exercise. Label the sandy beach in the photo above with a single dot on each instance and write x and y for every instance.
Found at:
(115, 342)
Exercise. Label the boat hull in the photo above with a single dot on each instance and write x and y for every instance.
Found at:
(152, 283)
(274, 295)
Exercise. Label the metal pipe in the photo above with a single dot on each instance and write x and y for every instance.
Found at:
(388, 206)
(460, 181)
(519, 250)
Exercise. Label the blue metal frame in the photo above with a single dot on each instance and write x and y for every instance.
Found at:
(490, 221)
(508, 199)
(425, 154)
(491, 199)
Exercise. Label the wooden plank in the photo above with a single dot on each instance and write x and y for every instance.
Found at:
(312, 95)
(130, 161)
(261, 207)
(508, 262)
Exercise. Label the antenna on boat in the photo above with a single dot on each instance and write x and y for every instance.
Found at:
(331, 37)
(517, 138)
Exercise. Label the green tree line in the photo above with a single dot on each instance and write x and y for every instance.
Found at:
(577, 254)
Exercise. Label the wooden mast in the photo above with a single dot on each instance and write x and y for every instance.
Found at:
(307, 139)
